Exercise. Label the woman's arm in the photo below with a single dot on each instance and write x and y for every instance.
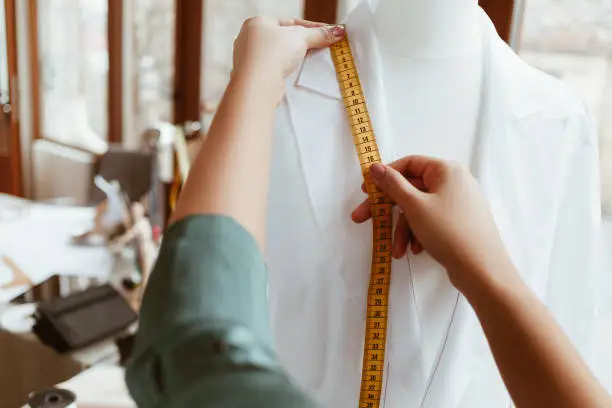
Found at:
(204, 337)
(539, 364)
(230, 175)
(449, 218)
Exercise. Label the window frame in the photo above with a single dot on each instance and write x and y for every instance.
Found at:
(502, 13)
(12, 162)
(324, 11)
(189, 40)
(114, 80)
(115, 72)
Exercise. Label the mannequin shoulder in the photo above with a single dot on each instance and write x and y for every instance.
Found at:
(544, 96)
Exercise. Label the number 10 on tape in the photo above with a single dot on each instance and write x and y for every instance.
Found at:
(380, 207)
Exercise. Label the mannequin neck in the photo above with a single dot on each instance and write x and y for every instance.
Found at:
(427, 28)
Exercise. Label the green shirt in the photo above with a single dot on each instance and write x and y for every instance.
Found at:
(204, 338)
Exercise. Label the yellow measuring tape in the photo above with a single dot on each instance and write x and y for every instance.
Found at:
(380, 206)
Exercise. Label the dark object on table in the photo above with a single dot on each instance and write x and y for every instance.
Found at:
(55, 287)
(84, 318)
(131, 169)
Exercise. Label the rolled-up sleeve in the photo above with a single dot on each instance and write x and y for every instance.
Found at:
(204, 337)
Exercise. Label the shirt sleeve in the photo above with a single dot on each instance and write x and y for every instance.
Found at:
(204, 337)
(573, 288)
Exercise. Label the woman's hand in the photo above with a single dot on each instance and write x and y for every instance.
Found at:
(445, 212)
(274, 48)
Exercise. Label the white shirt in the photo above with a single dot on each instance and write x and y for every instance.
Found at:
(535, 156)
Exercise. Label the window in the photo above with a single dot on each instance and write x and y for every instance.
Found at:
(152, 66)
(222, 21)
(73, 52)
(4, 76)
(4, 83)
(572, 40)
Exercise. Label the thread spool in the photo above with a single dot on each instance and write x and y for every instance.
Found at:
(52, 398)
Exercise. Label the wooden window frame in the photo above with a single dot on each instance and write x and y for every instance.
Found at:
(188, 60)
(33, 58)
(501, 13)
(115, 72)
(324, 11)
(188, 50)
(14, 158)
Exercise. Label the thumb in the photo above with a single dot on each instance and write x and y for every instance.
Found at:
(395, 185)
(321, 37)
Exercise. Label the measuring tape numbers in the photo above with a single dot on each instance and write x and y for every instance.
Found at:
(380, 206)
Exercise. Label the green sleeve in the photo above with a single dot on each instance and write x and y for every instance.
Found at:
(204, 337)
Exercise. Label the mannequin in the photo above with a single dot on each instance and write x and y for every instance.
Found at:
(431, 52)
(427, 29)
(439, 81)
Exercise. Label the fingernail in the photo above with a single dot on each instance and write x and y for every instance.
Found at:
(377, 171)
(337, 31)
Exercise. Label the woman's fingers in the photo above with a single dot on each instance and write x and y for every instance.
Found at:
(416, 166)
(415, 244)
(415, 181)
(418, 170)
(299, 21)
(362, 212)
(395, 185)
(323, 36)
(416, 247)
(318, 35)
(401, 238)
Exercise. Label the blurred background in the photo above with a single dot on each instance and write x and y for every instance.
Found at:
(87, 74)
(126, 90)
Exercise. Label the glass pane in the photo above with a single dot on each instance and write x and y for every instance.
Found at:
(4, 76)
(572, 40)
(153, 25)
(74, 71)
(222, 21)
(4, 86)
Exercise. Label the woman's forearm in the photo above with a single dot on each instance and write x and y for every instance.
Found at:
(537, 361)
(230, 175)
